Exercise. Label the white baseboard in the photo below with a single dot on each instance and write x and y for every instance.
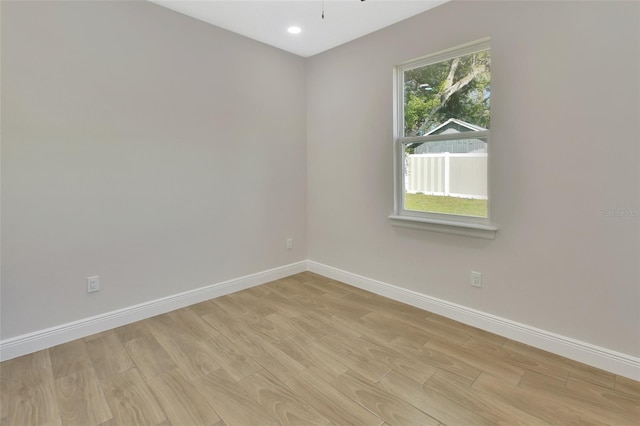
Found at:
(42, 339)
(612, 361)
(605, 359)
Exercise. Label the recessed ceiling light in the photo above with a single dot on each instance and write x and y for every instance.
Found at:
(294, 30)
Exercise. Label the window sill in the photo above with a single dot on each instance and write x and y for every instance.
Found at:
(476, 230)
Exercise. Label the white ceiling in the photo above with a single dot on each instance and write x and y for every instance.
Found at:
(267, 20)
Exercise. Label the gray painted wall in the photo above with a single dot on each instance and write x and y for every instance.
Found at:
(565, 104)
(154, 150)
(123, 125)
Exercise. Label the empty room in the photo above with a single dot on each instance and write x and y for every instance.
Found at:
(319, 212)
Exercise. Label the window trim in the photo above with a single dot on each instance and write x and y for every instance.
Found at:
(454, 224)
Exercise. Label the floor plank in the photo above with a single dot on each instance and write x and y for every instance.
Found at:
(321, 363)
(402, 362)
(4, 399)
(436, 358)
(430, 402)
(231, 358)
(108, 354)
(460, 391)
(534, 401)
(628, 386)
(530, 362)
(482, 361)
(387, 406)
(348, 353)
(188, 353)
(598, 403)
(573, 368)
(131, 400)
(280, 401)
(150, 358)
(385, 326)
(27, 369)
(330, 402)
(133, 331)
(71, 357)
(485, 336)
(181, 401)
(28, 389)
(81, 399)
(269, 356)
(231, 401)
(306, 350)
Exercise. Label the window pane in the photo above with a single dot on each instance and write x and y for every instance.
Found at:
(446, 176)
(448, 96)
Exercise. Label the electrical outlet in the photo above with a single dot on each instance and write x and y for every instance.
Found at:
(476, 279)
(289, 243)
(93, 284)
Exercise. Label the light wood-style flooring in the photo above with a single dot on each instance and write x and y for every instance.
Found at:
(306, 350)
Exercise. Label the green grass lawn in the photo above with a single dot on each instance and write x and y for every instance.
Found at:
(449, 205)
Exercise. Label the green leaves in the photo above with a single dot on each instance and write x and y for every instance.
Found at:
(456, 88)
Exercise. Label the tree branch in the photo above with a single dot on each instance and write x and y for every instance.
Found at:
(450, 89)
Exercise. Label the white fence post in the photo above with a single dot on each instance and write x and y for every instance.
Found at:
(454, 175)
(447, 173)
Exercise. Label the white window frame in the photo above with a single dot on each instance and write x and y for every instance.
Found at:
(454, 224)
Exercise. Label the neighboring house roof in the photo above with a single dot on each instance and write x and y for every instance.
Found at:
(454, 124)
(458, 146)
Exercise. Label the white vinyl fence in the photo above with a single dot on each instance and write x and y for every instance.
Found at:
(455, 175)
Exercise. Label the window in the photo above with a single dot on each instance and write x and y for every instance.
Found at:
(442, 122)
